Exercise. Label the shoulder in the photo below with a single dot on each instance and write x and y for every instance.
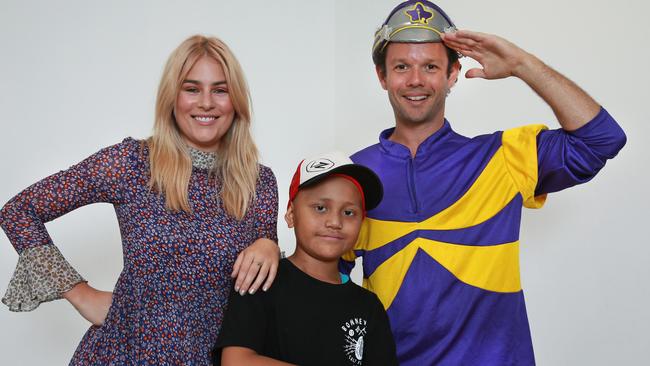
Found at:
(368, 297)
(523, 138)
(366, 154)
(266, 179)
(265, 172)
(127, 152)
(129, 147)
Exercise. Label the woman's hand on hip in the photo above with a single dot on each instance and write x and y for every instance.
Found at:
(256, 265)
(91, 303)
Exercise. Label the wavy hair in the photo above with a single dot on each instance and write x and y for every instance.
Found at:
(236, 165)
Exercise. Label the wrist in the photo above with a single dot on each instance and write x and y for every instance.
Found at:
(77, 293)
(527, 65)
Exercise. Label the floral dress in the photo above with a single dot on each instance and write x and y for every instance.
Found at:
(169, 300)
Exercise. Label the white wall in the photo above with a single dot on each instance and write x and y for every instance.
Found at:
(79, 75)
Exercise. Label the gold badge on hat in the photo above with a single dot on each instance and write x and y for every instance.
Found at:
(419, 14)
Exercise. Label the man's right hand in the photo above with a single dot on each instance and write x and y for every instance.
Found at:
(91, 303)
(500, 58)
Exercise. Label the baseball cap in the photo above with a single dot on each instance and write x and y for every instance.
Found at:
(314, 170)
(413, 21)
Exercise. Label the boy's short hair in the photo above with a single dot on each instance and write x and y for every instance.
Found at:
(314, 170)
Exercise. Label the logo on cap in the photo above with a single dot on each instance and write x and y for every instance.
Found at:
(319, 165)
(418, 14)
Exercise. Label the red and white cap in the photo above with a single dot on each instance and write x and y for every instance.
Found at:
(314, 170)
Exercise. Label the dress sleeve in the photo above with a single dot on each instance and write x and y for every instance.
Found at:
(42, 274)
(266, 208)
(244, 324)
(379, 346)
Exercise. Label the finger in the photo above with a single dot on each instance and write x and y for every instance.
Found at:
(261, 276)
(470, 35)
(452, 44)
(270, 277)
(475, 73)
(460, 47)
(241, 276)
(236, 267)
(250, 276)
(463, 42)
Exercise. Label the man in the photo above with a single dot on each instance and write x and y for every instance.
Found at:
(441, 250)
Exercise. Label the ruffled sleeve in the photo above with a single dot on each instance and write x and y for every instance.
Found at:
(42, 275)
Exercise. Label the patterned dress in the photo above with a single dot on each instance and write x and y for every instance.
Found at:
(169, 299)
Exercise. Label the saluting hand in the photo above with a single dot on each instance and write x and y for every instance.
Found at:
(499, 57)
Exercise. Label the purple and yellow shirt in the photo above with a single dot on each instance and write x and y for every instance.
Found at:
(441, 251)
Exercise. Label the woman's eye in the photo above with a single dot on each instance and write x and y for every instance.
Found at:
(220, 91)
(192, 90)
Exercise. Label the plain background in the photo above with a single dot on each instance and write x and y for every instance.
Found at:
(76, 76)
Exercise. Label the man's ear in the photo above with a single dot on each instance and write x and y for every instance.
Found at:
(453, 74)
(288, 217)
(381, 75)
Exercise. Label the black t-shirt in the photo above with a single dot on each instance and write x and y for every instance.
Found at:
(305, 321)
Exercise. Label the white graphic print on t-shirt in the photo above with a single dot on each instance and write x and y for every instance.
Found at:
(354, 330)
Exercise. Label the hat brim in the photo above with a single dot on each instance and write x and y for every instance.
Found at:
(373, 190)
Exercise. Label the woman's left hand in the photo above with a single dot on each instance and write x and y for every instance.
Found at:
(258, 262)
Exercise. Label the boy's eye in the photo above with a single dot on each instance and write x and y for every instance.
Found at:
(319, 208)
(349, 213)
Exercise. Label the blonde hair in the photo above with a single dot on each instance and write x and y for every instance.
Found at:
(237, 158)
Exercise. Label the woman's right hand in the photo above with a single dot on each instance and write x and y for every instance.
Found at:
(91, 303)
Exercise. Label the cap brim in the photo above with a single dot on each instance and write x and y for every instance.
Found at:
(373, 190)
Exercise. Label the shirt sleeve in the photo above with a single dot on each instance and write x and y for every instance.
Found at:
(42, 273)
(379, 346)
(570, 158)
(542, 161)
(244, 324)
(266, 207)
(348, 259)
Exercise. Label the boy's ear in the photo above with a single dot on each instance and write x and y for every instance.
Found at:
(288, 217)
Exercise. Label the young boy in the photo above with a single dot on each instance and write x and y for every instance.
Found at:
(312, 316)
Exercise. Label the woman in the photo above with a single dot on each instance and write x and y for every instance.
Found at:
(194, 207)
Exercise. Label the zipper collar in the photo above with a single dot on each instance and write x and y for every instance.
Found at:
(429, 144)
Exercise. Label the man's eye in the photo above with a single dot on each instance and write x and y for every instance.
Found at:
(400, 67)
(432, 67)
